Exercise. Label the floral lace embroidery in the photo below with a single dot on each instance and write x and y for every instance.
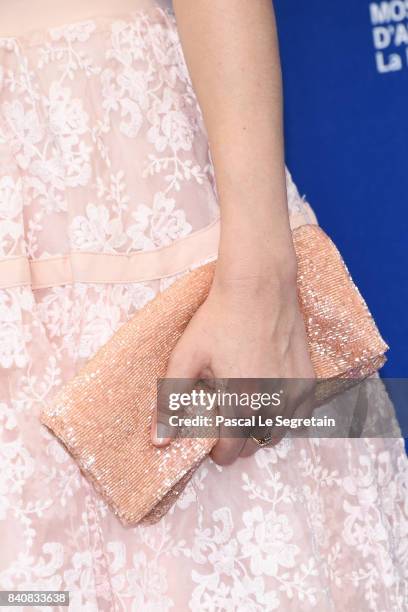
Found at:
(102, 148)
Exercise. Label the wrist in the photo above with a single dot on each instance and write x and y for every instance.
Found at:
(260, 277)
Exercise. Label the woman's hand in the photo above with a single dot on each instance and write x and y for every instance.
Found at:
(246, 328)
(250, 325)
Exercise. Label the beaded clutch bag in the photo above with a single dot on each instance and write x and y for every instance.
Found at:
(103, 414)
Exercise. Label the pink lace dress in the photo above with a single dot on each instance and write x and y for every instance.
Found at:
(106, 195)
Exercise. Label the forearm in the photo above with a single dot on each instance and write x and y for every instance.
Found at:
(232, 53)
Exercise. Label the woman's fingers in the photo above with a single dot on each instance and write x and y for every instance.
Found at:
(157, 434)
(300, 405)
(182, 372)
(227, 450)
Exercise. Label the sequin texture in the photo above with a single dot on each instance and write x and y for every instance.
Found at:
(103, 415)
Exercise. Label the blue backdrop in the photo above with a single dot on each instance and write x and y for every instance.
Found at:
(345, 70)
(346, 138)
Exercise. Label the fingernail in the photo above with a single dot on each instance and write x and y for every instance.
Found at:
(160, 441)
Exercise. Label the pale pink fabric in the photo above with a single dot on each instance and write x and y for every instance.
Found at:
(103, 155)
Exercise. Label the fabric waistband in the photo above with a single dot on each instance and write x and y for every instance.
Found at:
(140, 266)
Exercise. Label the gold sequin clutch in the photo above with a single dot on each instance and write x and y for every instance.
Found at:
(103, 415)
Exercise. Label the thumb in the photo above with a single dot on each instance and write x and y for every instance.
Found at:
(182, 373)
